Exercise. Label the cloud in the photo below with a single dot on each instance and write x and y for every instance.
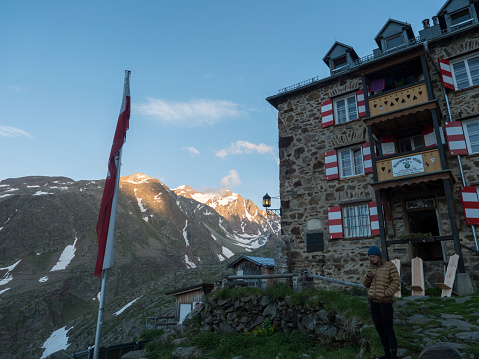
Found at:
(193, 151)
(16, 88)
(193, 113)
(244, 147)
(231, 180)
(8, 131)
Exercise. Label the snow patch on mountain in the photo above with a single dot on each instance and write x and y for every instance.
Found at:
(125, 307)
(7, 277)
(66, 257)
(188, 262)
(57, 341)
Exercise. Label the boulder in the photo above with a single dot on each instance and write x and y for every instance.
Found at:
(440, 351)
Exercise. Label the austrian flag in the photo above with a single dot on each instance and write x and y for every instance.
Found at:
(106, 218)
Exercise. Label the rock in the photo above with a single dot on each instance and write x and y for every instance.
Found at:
(135, 354)
(187, 353)
(61, 354)
(440, 351)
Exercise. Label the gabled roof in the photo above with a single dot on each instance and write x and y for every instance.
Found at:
(443, 7)
(402, 23)
(261, 261)
(337, 43)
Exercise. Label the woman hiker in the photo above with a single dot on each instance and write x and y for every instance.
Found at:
(382, 279)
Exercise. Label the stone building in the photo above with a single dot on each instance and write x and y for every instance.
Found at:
(381, 153)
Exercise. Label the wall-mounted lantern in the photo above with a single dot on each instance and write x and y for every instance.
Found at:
(267, 204)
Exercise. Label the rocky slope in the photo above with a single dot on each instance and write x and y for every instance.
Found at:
(48, 251)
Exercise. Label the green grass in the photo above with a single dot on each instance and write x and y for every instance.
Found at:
(265, 341)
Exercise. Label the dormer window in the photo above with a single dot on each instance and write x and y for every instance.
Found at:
(460, 17)
(394, 41)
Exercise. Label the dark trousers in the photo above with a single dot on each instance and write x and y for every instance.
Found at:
(382, 314)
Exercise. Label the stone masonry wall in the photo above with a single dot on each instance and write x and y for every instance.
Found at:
(247, 313)
(306, 194)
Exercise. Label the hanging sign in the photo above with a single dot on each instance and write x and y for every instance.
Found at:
(406, 166)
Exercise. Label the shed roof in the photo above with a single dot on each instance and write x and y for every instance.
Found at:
(205, 286)
(261, 261)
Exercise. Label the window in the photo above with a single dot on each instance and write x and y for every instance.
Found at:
(410, 143)
(466, 72)
(471, 133)
(460, 17)
(356, 221)
(394, 41)
(351, 162)
(345, 109)
(340, 63)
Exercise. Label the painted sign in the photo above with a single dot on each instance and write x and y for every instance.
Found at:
(406, 166)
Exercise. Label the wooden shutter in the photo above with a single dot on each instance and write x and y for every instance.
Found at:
(335, 222)
(455, 138)
(446, 75)
(361, 103)
(368, 163)
(387, 144)
(327, 118)
(470, 204)
(331, 165)
(429, 136)
(374, 218)
(314, 242)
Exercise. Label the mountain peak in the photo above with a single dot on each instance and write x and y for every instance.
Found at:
(136, 178)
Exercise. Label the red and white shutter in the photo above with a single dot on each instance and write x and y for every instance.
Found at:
(361, 103)
(331, 165)
(455, 138)
(335, 222)
(367, 162)
(327, 118)
(387, 145)
(446, 75)
(374, 218)
(470, 204)
(429, 136)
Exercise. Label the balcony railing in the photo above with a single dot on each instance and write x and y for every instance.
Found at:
(402, 166)
(397, 100)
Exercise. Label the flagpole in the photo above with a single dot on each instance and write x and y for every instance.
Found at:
(111, 231)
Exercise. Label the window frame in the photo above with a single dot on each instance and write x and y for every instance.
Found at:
(361, 230)
(464, 60)
(410, 140)
(345, 98)
(456, 13)
(467, 136)
(352, 150)
(394, 37)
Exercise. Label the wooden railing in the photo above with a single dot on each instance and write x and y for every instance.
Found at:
(414, 164)
(398, 100)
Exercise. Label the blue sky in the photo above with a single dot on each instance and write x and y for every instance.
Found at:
(201, 71)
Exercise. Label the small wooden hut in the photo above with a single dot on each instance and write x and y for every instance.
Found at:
(249, 265)
(188, 298)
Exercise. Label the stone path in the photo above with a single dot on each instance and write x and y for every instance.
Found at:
(429, 329)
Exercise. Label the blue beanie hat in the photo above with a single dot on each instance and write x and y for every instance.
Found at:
(374, 251)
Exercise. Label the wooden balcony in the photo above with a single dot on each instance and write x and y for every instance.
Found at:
(398, 100)
(403, 166)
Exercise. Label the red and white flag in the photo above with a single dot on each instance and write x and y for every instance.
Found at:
(106, 223)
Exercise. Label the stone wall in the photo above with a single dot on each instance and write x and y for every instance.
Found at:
(247, 313)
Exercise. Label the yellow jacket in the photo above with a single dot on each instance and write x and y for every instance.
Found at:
(384, 283)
